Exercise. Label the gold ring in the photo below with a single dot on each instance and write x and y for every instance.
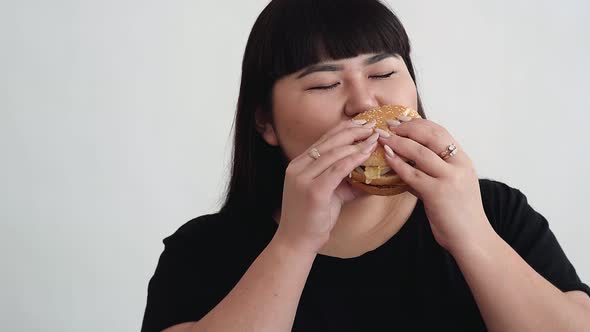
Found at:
(314, 153)
(449, 152)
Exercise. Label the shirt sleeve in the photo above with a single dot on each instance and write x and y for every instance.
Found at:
(528, 233)
(171, 299)
(189, 280)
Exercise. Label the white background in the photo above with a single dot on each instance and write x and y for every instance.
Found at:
(115, 124)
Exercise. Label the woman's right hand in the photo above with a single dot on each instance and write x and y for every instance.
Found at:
(314, 190)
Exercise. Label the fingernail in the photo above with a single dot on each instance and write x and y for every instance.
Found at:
(368, 149)
(393, 123)
(359, 122)
(370, 124)
(372, 138)
(389, 151)
(382, 133)
(404, 118)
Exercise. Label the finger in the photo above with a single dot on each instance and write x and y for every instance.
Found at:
(346, 136)
(427, 133)
(424, 158)
(319, 166)
(332, 176)
(345, 125)
(413, 192)
(414, 177)
(339, 127)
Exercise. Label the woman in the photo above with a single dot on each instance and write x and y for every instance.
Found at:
(296, 248)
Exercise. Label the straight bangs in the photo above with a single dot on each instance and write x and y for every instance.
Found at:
(305, 34)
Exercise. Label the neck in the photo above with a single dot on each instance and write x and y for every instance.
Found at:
(367, 222)
(366, 213)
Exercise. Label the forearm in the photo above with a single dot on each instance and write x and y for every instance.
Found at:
(266, 297)
(511, 295)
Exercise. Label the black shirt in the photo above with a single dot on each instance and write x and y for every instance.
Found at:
(408, 283)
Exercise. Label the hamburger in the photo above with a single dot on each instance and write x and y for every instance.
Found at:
(375, 176)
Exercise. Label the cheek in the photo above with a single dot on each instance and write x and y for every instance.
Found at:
(411, 95)
(403, 91)
(408, 91)
(300, 121)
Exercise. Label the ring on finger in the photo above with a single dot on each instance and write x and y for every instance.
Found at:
(314, 153)
(449, 152)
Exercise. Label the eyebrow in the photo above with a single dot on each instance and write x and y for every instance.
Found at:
(332, 67)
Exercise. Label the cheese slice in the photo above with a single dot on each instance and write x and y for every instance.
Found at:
(375, 172)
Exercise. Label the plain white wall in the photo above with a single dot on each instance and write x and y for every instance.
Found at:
(115, 121)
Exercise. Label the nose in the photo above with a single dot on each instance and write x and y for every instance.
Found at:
(360, 99)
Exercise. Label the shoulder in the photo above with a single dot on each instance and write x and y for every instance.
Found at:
(528, 232)
(499, 196)
(196, 230)
(493, 190)
(504, 204)
(201, 262)
(221, 234)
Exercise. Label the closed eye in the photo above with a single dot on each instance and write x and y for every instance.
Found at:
(384, 75)
(328, 87)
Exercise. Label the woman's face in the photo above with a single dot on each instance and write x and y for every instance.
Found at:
(311, 101)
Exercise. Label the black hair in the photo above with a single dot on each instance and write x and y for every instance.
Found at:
(288, 36)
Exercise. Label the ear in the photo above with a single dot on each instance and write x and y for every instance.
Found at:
(265, 128)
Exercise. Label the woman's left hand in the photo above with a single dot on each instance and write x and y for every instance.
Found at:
(448, 188)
